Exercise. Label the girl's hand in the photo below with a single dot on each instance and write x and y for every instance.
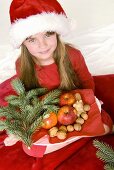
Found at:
(107, 129)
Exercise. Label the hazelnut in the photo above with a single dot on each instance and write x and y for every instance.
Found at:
(61, 134)
(53, 131)
(77, 126)
(70, 128)
(78, 96)
(86, 107)
(84, 116)
(80, 120)
(63, 128)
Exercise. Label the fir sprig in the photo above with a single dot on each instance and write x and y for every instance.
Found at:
(24, 113)
(51, 97)
(105, 153)
(35, 92)
(18, 86)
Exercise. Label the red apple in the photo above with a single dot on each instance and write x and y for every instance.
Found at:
(66, 115)
(67, 99)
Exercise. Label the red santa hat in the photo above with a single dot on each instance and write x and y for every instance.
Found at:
(29, 17)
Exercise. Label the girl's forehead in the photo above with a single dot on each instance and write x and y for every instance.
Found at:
(38, 34)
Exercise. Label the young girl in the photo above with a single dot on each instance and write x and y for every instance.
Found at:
(45, 60)
(39, 28)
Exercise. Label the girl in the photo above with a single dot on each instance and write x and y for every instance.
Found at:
(45, 60)
(39, 27)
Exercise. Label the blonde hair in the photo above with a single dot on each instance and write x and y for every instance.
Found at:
(68, 78)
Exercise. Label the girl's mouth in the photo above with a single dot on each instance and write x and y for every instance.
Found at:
(44, 52)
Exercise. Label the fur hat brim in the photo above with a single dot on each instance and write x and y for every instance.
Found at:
(23, 28)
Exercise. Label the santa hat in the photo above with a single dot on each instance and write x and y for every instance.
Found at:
(29, 17)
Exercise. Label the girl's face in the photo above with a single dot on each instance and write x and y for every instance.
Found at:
(42, 47)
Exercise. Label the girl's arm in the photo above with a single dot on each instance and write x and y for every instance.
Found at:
(81, 69)
(83, 73)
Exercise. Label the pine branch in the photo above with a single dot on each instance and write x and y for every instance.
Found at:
(34, 101)
(51, 108)
(55, 101)
(105, 153)
(104, 156)
(13, 124)
(10, 125)
(27, 141)
(105, 148)
(18, 86)
(24, 113)
(109, 166)
(18, 133)
(6, 115)
(35, 125)
(35, 92)
(3, 125)
(34, 112)
(11, 97)
(10, 112)
(51, 96)
(15, 102)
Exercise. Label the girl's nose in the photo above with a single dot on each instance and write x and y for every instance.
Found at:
(42, 42)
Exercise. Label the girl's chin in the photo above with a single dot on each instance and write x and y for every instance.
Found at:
(45, 59)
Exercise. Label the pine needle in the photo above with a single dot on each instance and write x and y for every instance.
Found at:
(109, 166)
(105, 153)
(18, 86)
(11, 97)
(51, 96)
(35, 92)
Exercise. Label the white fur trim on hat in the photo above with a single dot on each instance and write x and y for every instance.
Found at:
(23, 28)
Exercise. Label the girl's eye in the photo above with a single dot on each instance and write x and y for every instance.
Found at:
(31, 40)
(49, 33)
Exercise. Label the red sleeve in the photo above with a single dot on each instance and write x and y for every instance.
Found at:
(81, 69)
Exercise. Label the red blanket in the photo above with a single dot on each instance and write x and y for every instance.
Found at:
(80, 155)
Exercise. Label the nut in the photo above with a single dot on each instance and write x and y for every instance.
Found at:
(78, 96)
(77, 126)
(80, 120)
(53, 131)
(86, 107)
(70, 128)
(63, 128)
(61, 134)
(84, 116)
